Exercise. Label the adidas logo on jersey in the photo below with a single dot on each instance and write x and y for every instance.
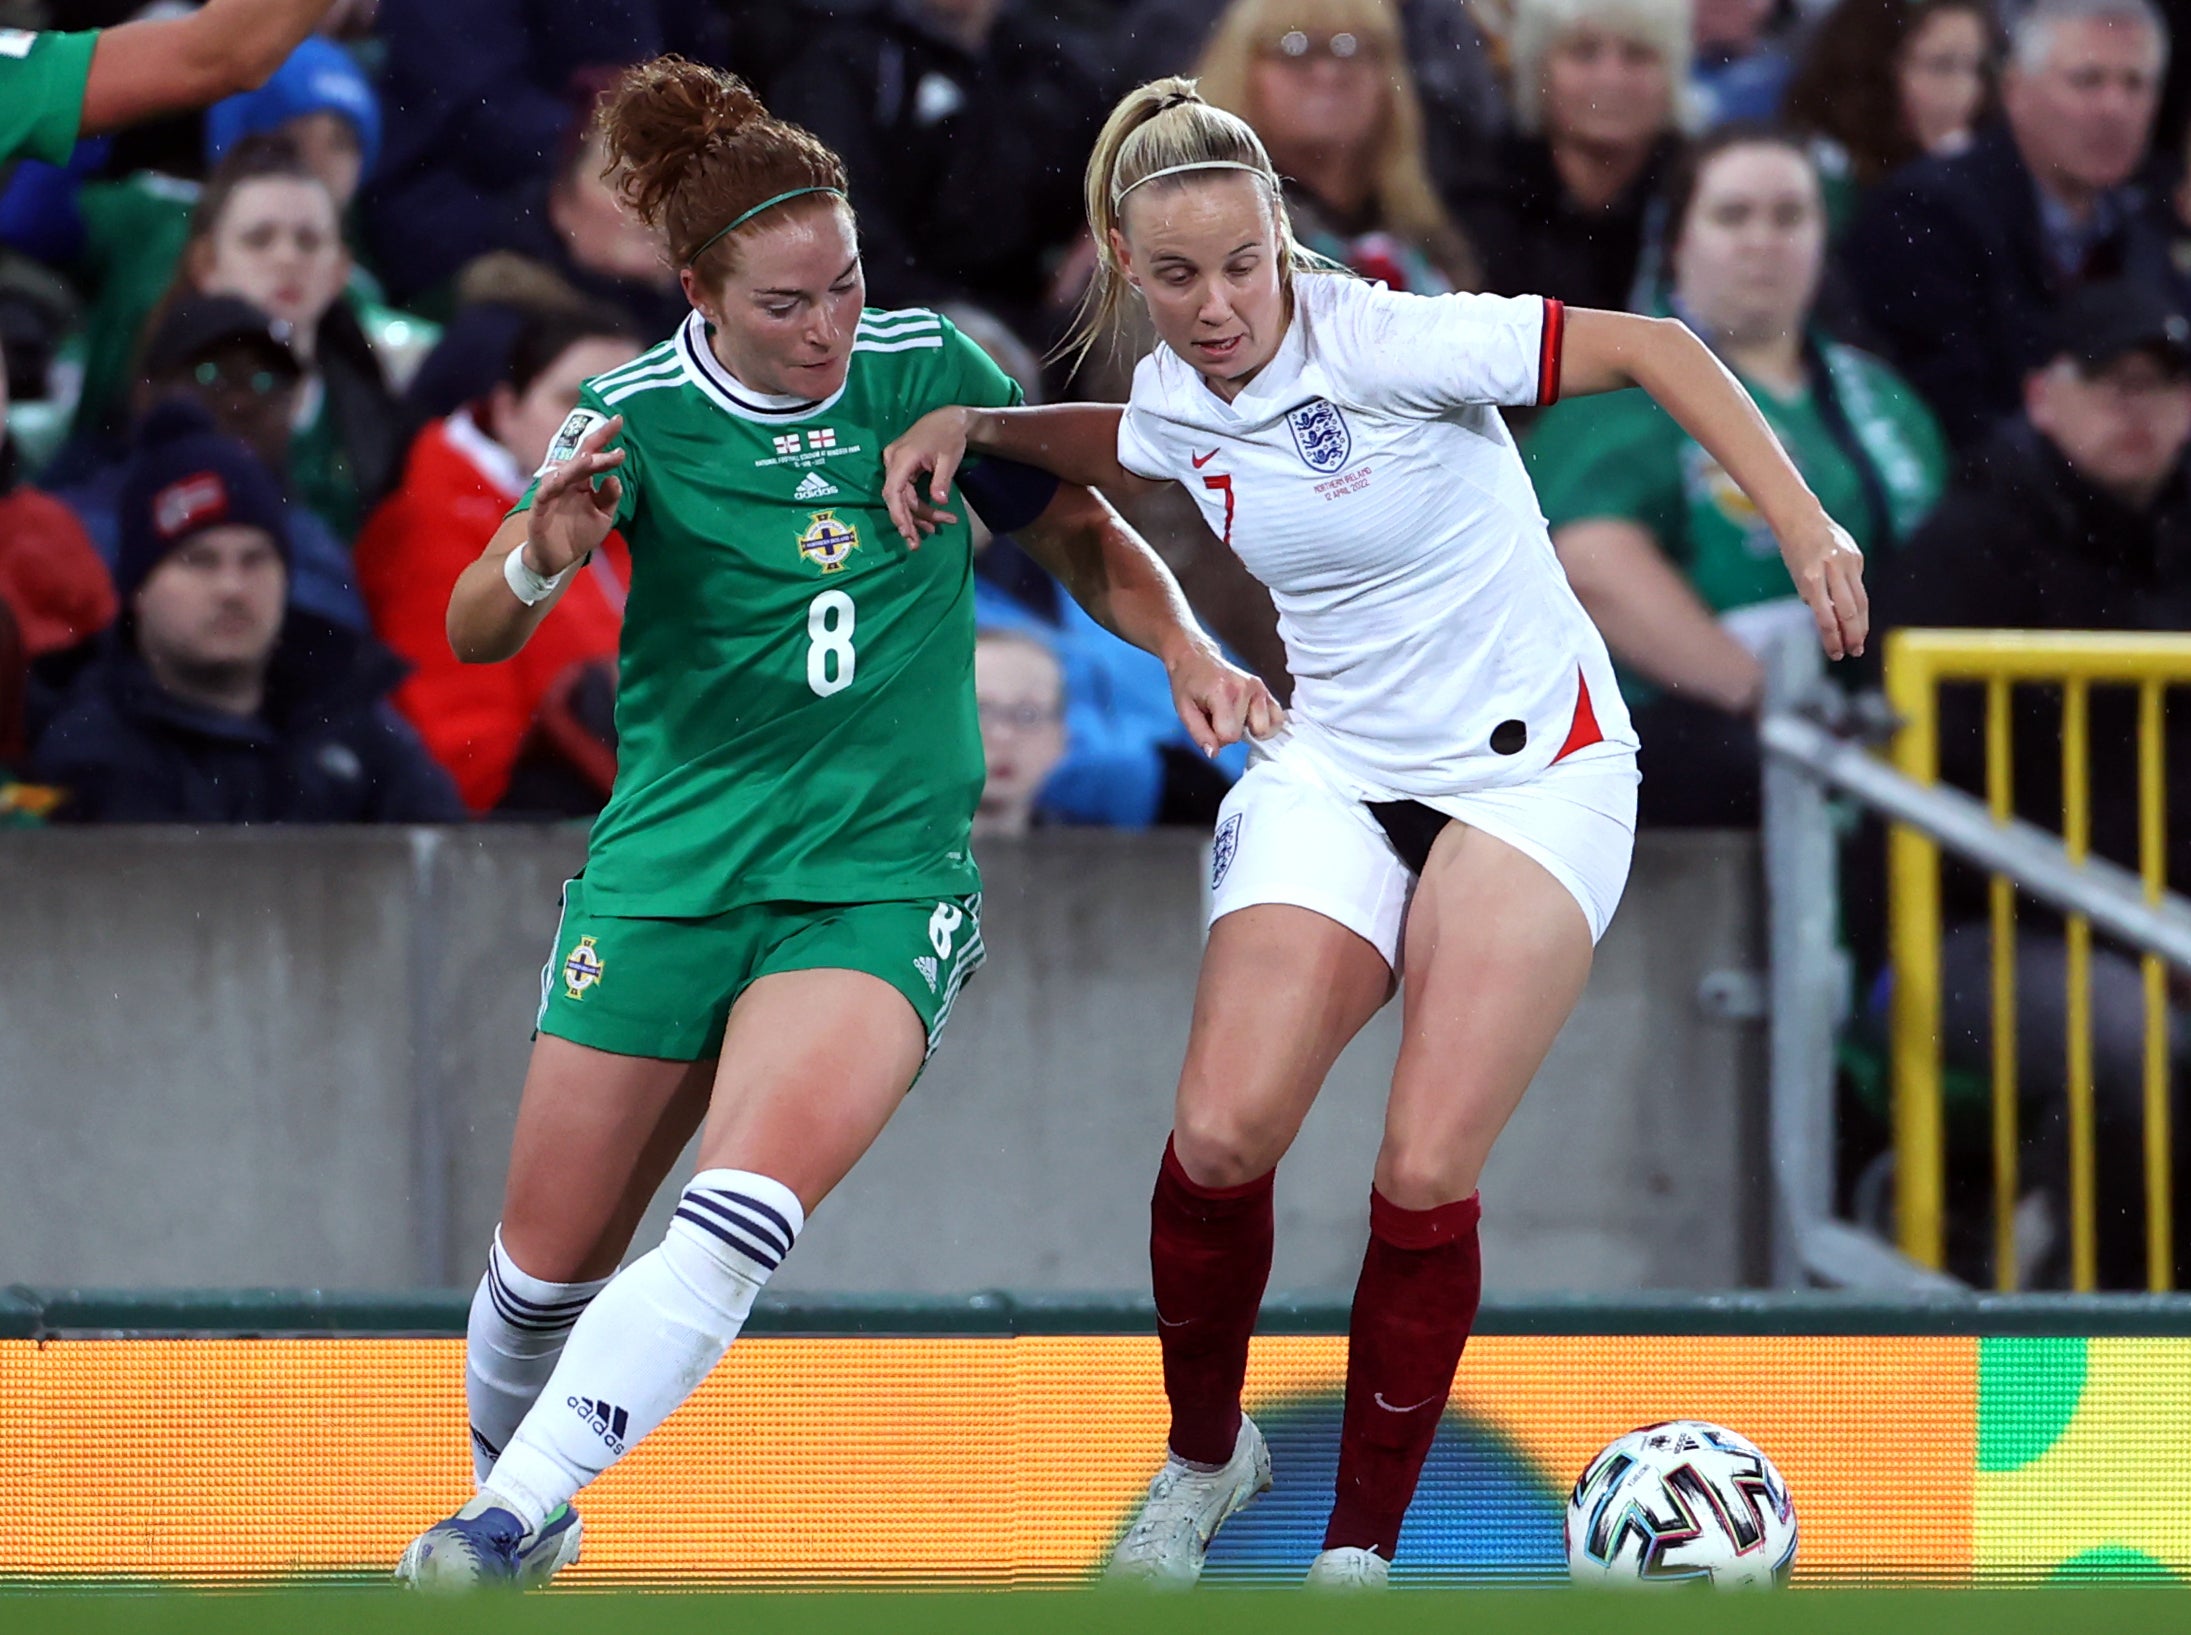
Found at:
(927, 968)
(609, 1423)
(814, 486)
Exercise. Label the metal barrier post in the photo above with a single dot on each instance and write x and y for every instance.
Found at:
(1999, 801)
(1807, 969)
(2084, 1203)
(1913, 936)
(2160, 1225)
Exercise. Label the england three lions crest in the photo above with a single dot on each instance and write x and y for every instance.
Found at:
(1320, 433)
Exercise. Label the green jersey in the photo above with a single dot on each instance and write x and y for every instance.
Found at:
(1621, 456)
(42, 79)
(795, 712)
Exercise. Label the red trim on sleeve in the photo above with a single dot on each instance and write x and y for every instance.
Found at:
(1548, 353)
(1585, 731)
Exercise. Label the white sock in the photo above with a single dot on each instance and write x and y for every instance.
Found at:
(655, 1333)
(519, 1323)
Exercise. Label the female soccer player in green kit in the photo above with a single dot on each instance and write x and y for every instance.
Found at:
(779, 905)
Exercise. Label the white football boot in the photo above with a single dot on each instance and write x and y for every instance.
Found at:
(1165, 1547)
(485, 1545)
(1349, 1568)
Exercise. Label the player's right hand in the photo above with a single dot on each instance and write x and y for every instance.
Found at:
(570, 516)
(933, 447)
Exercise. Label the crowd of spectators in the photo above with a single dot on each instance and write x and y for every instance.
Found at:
(384, 272)
(277, 369)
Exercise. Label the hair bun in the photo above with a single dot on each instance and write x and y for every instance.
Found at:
(663, 117)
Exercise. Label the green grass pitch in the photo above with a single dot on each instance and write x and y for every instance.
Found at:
(2102, 1611)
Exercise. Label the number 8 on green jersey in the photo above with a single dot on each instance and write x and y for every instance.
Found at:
(796, 705)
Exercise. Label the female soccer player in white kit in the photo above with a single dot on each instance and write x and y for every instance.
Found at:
(1451, 805)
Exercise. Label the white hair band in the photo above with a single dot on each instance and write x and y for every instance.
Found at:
(1180, 170)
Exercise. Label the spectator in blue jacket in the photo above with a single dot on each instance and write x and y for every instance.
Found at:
(214, 703)
(1127, 763)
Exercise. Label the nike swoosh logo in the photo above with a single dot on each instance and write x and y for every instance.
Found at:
(1378, 1397)
(1165, 1322)
(1201, 460)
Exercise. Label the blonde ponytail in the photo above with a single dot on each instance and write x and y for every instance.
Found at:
(1157, 135)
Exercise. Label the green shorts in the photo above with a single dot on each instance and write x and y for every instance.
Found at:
(664, 988)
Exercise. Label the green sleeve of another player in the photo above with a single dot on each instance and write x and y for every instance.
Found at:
(42, 80)
(591, 412)
(1611, 457)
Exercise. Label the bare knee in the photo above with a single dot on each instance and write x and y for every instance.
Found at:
(558, 1257)
(1417, 1174)
(1226, 1146)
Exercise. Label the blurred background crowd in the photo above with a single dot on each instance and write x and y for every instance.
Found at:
(273, 373)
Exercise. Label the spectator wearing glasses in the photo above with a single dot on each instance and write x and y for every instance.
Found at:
(1019, 687)
(1327, 86)
(1463, 105)
(238, 366)
(1599, 93)
(1884, 83)
(1959, 263)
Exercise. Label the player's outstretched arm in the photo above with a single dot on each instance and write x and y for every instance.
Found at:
(1605, 351)
(1111, 571)
(500, 600)
(164, 65)
(1075, 442)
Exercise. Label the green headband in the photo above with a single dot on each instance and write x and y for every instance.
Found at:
(737, 222)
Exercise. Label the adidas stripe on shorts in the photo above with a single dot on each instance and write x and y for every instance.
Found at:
(664, 988)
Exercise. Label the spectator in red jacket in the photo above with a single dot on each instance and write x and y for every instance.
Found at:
(51, 577)
(462, 476)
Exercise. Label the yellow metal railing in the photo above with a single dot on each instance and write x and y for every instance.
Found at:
(1917, 662)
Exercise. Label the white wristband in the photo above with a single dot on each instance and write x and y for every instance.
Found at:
(527, 586)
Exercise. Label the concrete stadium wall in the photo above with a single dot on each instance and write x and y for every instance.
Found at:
(292, 1057)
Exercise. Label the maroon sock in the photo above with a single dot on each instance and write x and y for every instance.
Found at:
(1413, 1309)
(1209, 1253)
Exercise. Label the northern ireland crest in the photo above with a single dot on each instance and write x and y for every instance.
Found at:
(828, 541)
(1320, 433)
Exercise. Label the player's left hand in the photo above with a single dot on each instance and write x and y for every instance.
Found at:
(1219, 702)
(1828, 570)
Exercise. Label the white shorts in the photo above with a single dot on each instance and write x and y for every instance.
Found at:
(1290, 832)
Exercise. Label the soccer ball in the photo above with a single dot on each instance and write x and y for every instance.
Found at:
(1681, 1503)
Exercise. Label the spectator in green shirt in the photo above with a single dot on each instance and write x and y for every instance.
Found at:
(1673, 564)
(57, 87)
(268, 230)
(124, 238)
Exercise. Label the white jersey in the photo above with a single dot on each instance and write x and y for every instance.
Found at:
(1366, 477)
